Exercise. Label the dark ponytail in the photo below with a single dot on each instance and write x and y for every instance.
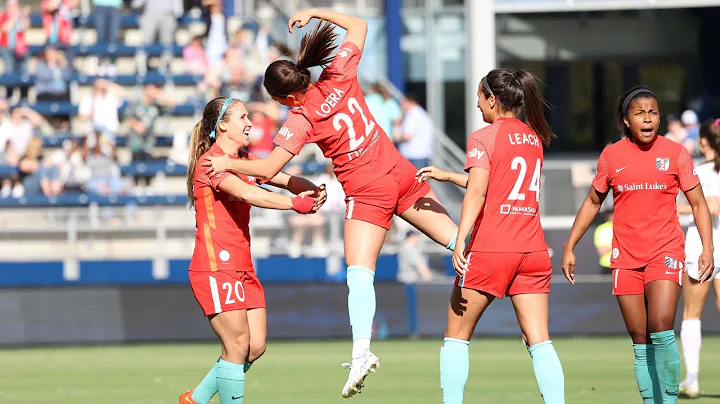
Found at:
(710, 131)
(623, 103)
(200, 140)
(518, 92)
(283, 77)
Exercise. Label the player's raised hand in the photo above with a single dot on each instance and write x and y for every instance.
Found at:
(300, 19)
(459, 261)
(434, 173)
(568, 265)
(216, 164)
(320, 196)
(706, 266)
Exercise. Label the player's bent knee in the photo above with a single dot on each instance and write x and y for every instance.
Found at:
(257, 349)
(639, 336)
(237, 347)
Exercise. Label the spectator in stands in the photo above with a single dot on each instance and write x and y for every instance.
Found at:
(189, 5)
(141, 117)
(40, 176)
(13, 46)
(264, 119)
(99, 110)
(238, 84)
(692, 125)
(195, 57)
(105, 176)
(75, 174)
(57, 18)
(254, 48)
(21, 127)
(217, 41)
(220, 74)
(158, 20)
(384, 108)
(180, 150)
(675, 129)
(107, 16)
(416, 135)
(412, 262)
(52, 76)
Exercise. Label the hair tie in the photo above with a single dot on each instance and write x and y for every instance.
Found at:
(222, 112)
(632, 96)
(716, 124)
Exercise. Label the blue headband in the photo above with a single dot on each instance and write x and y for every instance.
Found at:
(222, 112)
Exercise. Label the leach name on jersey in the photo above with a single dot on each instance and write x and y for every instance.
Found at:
(222, 234)
(336, 117)
(509, 221)
(645, 182)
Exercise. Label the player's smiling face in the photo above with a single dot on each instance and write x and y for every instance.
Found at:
(237, 128)
(643, 119)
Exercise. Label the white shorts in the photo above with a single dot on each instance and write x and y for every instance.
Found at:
(693, 249)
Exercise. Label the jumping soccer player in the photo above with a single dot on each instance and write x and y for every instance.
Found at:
(377, 180)
(695, 292)
(645, 171)
(222, 275)
(507, 254)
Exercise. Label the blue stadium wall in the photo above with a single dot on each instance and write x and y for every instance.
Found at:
(121, 301)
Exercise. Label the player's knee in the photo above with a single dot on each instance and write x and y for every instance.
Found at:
(257, 349)
(237, 346)
(663, 322)
(639, 336)
(534, 338)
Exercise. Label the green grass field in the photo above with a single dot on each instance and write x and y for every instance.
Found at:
(597, 370)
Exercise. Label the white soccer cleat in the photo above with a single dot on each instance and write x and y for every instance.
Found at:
(690, 390)
(359, 369)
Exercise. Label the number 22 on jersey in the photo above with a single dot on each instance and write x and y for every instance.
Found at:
(343, 118)
(520, 165)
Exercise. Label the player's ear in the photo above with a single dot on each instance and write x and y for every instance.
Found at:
(626, 121)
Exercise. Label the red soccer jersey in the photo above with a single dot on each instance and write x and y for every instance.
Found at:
(645, 182)
(222, 233)
(336, 117)
(510, 218)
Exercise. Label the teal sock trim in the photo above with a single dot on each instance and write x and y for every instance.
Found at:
(645, 373)
(451, 244)
(207, 387)
(667, 364)
(361, 300)
(246, 367)
(548, 372)
(454, 370)
(231, 382)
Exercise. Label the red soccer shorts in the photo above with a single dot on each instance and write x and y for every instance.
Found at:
(507, 273)
(222, 291)
(633, 281)
(393, 193)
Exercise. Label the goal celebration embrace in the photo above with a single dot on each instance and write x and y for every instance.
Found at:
(499, 246)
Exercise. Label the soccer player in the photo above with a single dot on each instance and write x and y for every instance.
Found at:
(378, 181)
(645, 171)
(696, 292)
(222, 276)
(507, 254)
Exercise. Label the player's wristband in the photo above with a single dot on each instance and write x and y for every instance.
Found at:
(302, 204)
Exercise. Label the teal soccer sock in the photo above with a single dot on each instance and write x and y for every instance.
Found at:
(454, 369)
(207, 387)
(361, 301)
(548, 372)
(667, 363)
(645, 373)
(230, 382)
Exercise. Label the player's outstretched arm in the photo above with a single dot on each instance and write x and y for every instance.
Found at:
(298, 185)
(262, 198)
(426, 173)
(356, 27)
(585, 216)
(703, 221)
(261, 168)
